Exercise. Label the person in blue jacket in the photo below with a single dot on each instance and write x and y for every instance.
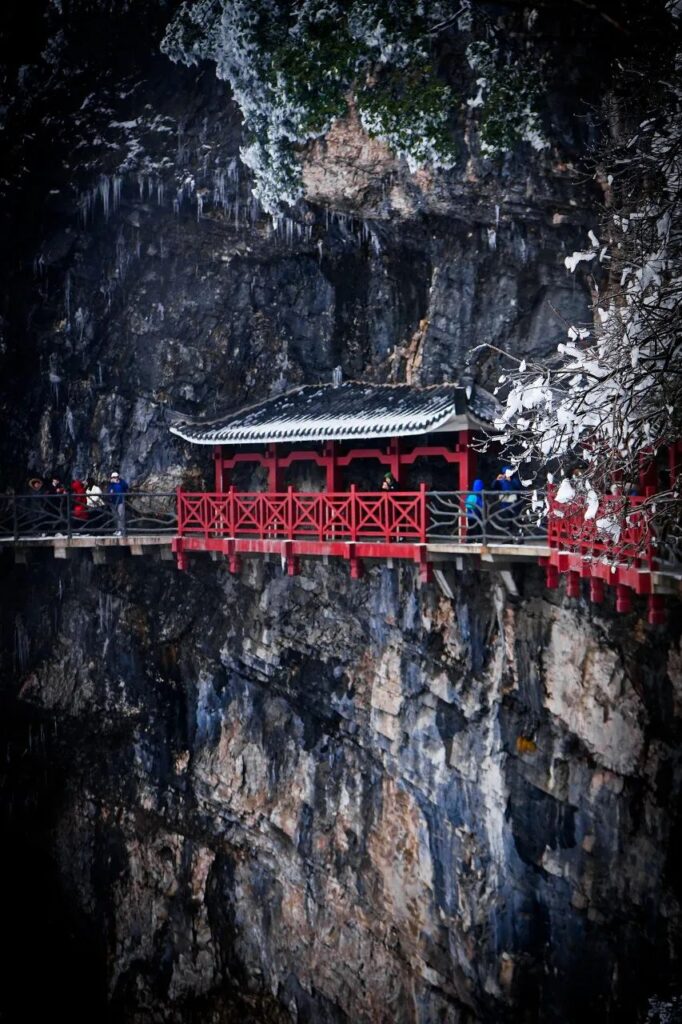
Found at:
(508, 483)
(474, 510)
(117, 490)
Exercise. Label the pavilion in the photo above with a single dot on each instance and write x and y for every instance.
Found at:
(330, 426)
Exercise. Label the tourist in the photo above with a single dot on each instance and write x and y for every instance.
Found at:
(117, 490)
(36, 509)
(56, 505)
(507, 482)
(79, 502)
(389, 482)
(474, 509)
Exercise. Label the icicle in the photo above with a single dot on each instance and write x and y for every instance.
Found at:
(22, 644)
(67, 297)
(104, 194)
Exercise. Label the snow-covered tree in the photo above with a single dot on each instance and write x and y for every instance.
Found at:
(612, 395)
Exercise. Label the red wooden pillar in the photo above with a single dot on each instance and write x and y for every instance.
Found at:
(396, 461)
(656, 610)
(331, 468)
(467, 464)
(596, 590)
(623, 598)
(551, 577)
(648, 474)
(275, 485)
(573, 584)
(220, 482)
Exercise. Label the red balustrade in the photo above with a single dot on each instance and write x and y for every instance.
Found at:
(616, 546)
(352, 516)
(623, 536)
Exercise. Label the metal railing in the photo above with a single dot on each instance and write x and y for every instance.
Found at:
(35, 516)
(486, 517)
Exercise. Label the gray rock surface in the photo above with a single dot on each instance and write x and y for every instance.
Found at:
(310, 799)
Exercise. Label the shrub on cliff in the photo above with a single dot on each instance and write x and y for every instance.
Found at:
(294, 68)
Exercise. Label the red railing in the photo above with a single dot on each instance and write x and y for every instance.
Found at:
(349, 516)
(620, 531)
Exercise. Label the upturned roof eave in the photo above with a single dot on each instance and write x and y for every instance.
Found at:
(351, 432)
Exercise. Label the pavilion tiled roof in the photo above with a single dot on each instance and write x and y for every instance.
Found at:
(351, 410)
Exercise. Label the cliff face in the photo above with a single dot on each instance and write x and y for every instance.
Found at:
(311, 799)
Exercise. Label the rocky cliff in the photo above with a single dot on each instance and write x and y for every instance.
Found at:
(310, 799)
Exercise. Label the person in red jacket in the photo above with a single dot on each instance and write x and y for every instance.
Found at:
(79, 502)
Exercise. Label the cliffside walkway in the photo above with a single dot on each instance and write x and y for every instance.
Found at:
(429, 528)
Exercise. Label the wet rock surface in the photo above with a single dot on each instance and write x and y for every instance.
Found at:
(313, 799)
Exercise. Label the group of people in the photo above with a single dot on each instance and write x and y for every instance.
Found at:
(506, 482)
(89, 505)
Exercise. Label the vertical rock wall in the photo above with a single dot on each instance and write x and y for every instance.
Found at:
(308, 799)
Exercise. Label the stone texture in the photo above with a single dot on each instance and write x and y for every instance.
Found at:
(310, 799)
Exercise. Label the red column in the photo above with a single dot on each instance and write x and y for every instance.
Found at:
(467, 464)
(396, 462)
(648, 474)
(274, 471)
(331, 468)
(573, 584)
(219, 470)
(656, 610)
(623, 598)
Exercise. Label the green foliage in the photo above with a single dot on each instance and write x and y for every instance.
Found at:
(508, 99)
(294, 67)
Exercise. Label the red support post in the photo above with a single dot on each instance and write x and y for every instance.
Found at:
(396, 462)
(289, 515)
(467, 465)
(656, 614)
(573, 584)
(623, 598)
(551, 577)
(219, 469)
(331, 467)
(648, 473)
(423, 513)
(231, 518)
(353, 514)
(271, 460)
(596, 590)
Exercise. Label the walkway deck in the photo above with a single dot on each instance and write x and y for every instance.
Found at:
(430, 529)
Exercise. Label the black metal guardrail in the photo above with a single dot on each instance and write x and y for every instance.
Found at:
(487, 517)
(34, 516)
(513, 517)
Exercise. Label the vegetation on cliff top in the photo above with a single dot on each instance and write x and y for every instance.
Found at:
(294, 68)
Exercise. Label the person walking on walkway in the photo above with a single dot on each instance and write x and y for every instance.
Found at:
(118, 488)
(474, 510)
(79, 503)
(96, 504)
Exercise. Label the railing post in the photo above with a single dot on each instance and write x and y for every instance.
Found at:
(423, 513)
(231, 515)
(15, 516)
(353, 514)
(68, 514)
(290, 513)
(179, 510)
